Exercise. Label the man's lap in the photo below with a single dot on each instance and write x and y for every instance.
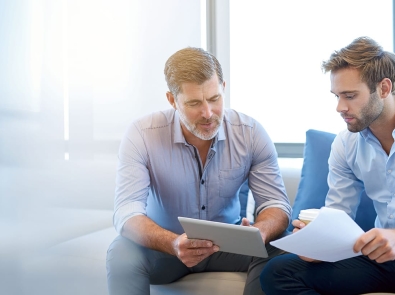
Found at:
(350, 276)
(164, 268)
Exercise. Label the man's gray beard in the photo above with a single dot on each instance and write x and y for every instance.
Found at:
(192, 128)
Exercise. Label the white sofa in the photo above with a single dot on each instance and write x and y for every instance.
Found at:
(63, 251)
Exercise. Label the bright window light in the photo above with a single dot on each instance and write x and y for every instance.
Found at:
(203, 24)
(65, 62)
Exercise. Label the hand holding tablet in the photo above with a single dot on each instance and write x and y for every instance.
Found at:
(231, 238)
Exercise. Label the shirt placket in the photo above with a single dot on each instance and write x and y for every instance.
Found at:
(390, 176)
(203, 191)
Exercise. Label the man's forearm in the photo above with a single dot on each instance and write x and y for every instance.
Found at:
(272, 222)
(142, 230)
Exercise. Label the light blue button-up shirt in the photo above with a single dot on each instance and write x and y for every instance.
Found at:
(160, 174)
(357, 162)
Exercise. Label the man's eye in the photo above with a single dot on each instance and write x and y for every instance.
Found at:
(192, 104)
(214, 99)
(350, 96)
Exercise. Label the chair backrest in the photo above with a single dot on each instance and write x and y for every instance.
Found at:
(313, 185)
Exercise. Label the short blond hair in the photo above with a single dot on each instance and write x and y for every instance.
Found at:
(191, 64)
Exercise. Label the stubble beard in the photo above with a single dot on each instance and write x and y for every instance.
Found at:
(368, 114)
(193, 127)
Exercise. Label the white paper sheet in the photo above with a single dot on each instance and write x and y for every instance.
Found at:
(329, 237)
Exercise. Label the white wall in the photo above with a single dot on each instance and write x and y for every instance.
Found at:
(73, 74)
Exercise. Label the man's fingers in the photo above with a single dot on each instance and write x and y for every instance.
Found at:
(245, 222)
(298, 224)
(194, 256)
(195, 243)
(364, 240)
(308, 259)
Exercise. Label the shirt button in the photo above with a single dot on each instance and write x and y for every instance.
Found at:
(391, 216)
(389, 171)
(203, 207)
(202, 182)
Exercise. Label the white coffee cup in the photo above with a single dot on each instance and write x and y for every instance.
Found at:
(308, 215)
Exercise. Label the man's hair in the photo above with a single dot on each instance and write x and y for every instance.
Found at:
(191, 65)
(366, 55)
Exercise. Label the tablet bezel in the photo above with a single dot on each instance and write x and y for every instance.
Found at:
(231, 238)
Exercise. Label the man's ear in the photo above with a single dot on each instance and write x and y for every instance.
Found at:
(385, 87)
(171, 99)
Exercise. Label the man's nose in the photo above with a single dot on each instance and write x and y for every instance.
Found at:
(206, 110)
(341, 106)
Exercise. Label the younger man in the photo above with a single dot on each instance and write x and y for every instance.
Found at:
(362, 158)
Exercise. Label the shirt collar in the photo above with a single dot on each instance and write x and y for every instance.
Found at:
(178, 136)
(366, 134)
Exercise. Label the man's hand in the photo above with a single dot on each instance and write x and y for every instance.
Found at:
(298, 225)
(378, 244)
(193, 251)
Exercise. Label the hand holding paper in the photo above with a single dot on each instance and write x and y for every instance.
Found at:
(329, 237)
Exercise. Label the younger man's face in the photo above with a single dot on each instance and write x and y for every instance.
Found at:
(357, 106)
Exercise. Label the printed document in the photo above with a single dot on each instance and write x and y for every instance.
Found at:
(329, 237)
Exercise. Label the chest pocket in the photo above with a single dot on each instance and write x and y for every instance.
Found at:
(230, 181)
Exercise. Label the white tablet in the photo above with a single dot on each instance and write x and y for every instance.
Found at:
(231, 238)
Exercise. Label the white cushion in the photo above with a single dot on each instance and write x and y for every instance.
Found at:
(218, 283)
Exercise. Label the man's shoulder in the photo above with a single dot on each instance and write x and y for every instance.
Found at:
(236, 118)
(347, 137)
(154, 120)
(347, 142)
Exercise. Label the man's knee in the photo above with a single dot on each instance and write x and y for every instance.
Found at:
(125, 256)
(267, 277)
(127, 268)
(281, 273)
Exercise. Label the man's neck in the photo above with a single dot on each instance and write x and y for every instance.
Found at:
(203, 146)
(384, 127)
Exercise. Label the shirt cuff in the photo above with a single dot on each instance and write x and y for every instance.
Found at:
(283, 206)
(127, 211)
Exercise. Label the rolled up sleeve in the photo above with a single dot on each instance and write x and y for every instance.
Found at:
(132, 179)
(265, 178)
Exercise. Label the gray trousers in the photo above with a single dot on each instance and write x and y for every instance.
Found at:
(131, 268)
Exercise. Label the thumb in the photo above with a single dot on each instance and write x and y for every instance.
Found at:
(245, 222)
